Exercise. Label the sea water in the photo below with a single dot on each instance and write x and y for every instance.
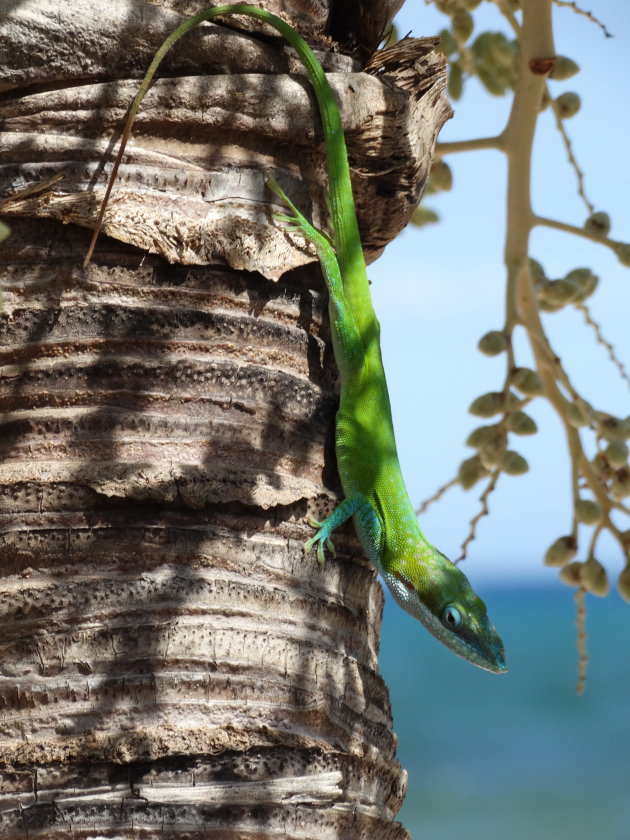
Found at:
(516, 756)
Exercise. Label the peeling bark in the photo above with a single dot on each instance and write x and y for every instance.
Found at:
(192, 185)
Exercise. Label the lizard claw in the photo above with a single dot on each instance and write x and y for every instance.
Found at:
(320, 553)
(322, 540)
(321, 543)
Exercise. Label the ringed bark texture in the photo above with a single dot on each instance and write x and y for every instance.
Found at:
(170, 661)
(170, 664)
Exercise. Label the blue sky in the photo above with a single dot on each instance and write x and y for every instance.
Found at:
(438, 289)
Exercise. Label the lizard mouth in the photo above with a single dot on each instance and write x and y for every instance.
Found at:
(483, 647)
(490, 655)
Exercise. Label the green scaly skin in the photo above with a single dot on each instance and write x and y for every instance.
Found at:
(422, 580)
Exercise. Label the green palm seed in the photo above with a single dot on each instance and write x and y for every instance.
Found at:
(616, 453)
(470, 471)
(491, 452)
(610, 427)
(513, 464)
(487, 405)
(561, 551)
(588, 512)
(598, 223)
(623, 253)
(441, 176)
(455, 81)
(527, 381)
(448, 44)
(576, 416)
(593, 578)
(558, 292)
(493, 343)
(568, 104)
(584, 281)
(521, 423)
(548, 307)
(463, 25)
(620, 484)
(480, 436)
(563, 68)
(422, 216)
(623, 584)
(571, 573)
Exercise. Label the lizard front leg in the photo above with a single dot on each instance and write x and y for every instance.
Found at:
(367, 519)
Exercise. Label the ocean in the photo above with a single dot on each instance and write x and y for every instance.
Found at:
(517, 755)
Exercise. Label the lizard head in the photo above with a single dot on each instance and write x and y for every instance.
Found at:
(438, 594)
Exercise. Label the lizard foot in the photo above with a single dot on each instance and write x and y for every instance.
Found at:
(322, 540)
(340, 514)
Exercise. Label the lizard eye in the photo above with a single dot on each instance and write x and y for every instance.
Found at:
(452, 617)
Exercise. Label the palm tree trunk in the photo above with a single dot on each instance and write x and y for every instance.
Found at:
(171, 665)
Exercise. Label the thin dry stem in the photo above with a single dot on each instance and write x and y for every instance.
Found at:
(572, 159)
(580, 623)
(474, 145)
(570, 4)
(485, 510)
(612, 355)
(594, 537)
(437, 495)
(575, 492)
(613, 244)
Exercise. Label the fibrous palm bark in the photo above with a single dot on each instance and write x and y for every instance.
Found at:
(170, 663)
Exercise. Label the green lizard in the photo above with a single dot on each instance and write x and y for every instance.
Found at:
(422, 580)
